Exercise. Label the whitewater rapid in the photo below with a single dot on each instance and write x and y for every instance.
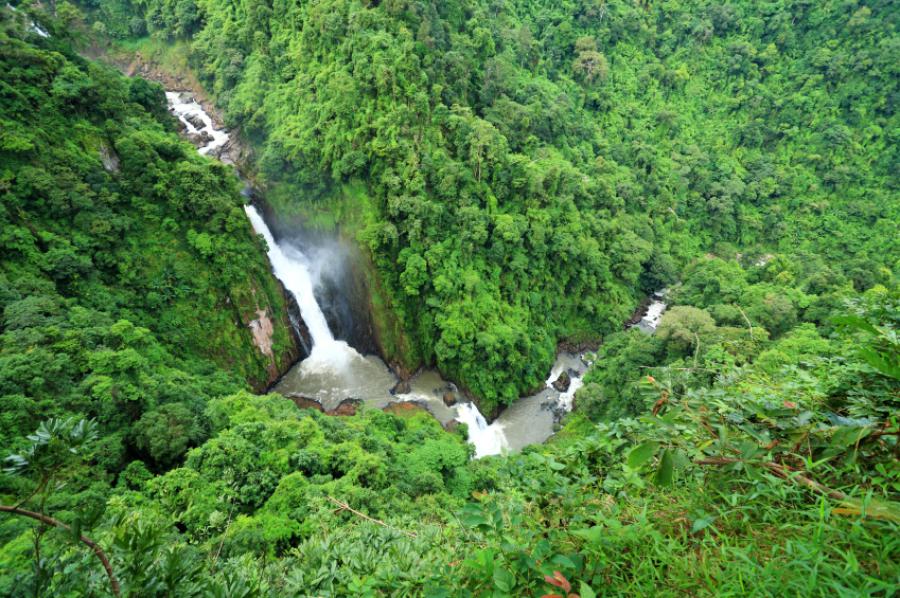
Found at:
(187, 110)
(654, 313)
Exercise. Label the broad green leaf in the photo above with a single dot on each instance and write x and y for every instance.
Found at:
(585, 591)
(555, 465)
(564, 562)
(504, 580)
(846, 437)
(473, 516)
(701, 524)
(880, 362)
(855, 322)
(665, 469)
(641, 454)
(593, 535)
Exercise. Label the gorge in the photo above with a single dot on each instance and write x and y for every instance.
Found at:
(449, 298)
(334, 372)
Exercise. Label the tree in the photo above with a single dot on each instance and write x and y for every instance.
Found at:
(589, 65)
(684, 329)
(166, 433)
(55, 450)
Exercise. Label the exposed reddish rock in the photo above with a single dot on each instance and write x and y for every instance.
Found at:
(449, 399)
(306, 403)
(346, 407)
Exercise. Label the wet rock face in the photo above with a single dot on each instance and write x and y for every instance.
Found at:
(401, 388)
(109, 158)
(562, 383)
(230, 153)
(345, 408)
(449, 399)
(301, 331)
(344, 296)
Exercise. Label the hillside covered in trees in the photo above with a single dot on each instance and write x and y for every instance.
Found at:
(531, 168)
(521, 173)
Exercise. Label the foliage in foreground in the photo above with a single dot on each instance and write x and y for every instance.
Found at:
(781, 469)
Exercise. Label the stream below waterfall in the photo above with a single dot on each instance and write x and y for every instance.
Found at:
(334, 371)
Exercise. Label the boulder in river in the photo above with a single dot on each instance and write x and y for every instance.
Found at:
(561, 384)
(401, 388)
(449, 399)
(306, 403)
(346, 407)
(195, 120)
(200, 139)
(227, 153)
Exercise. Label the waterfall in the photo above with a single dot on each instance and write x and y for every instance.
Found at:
(328, 355)
(488, 439)
(293, 269)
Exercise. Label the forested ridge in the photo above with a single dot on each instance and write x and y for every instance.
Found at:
(535, 167)
(522, 173)
(128, 272)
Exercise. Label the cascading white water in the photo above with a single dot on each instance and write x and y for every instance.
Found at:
(530, 419)
(187, 109)
(292, 268)
(654, 313)
(488, 439)
(567, 399)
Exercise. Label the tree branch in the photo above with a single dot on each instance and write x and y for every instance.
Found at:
(783, 472)
(46, 519)
(345, 507)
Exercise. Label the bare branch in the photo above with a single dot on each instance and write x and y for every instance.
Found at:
(46, 519)
(345, 507)
(783, 472)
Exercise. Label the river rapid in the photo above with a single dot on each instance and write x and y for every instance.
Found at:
(334, 371)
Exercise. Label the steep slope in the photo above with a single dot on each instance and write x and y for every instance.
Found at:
(129, 276)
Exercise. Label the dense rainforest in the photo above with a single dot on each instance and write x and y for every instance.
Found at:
(529, 168)
(521, 174)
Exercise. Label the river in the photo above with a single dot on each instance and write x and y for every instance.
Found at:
(335, 371)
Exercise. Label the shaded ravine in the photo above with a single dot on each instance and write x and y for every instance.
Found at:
(334, 371)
